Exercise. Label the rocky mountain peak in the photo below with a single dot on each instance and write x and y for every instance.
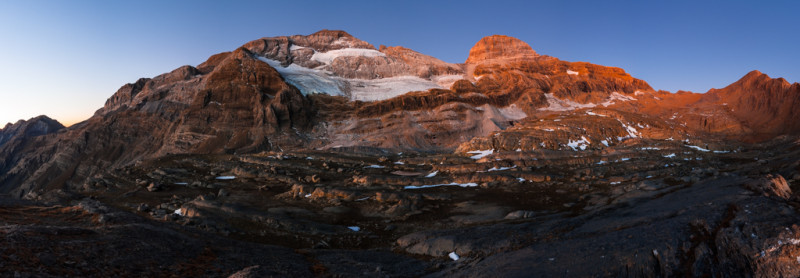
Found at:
(766, 105)
(499, 47)
(26, 128)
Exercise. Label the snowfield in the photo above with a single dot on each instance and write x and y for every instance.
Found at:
(319, 81)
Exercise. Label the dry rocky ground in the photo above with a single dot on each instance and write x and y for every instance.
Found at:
(652, 208)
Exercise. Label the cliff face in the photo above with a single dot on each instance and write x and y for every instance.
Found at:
(232, 103)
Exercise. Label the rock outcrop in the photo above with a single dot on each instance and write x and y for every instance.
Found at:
(502, 48)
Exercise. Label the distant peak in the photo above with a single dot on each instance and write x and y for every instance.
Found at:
(757, 77)
(332, 33)
(500, 47)
(754, 74)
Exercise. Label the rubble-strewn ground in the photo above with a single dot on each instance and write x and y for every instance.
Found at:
(646, 208)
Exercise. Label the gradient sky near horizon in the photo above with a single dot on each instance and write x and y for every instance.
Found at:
(65, 58)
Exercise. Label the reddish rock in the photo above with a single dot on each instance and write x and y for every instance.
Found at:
(499, 47)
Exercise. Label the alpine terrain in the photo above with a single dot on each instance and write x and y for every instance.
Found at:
(323, 155)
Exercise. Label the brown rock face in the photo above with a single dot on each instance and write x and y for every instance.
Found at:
(236, 103)
(767, 106)
(499, 47)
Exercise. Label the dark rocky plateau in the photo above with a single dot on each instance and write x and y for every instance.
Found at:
(292, 157)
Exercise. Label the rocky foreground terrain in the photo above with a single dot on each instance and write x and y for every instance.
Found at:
(324, 156)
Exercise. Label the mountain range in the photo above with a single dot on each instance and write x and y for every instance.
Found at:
(331, 94)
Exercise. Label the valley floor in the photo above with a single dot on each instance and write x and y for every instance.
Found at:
(654, 208)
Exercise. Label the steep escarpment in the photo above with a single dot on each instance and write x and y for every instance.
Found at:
(233, 104)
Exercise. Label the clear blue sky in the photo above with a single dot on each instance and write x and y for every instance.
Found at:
(65, 58)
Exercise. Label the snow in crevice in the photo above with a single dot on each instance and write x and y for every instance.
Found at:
(432, 174)
(632, 132)
(470, 184)
(570, 72)
(374, 167)
(579, 144)
(595, 114)
(616, 96)
(296, 47)
(480, 154)
(493, 169)
(226, 177)
(698, 148)
(354, 228)
(557, 104)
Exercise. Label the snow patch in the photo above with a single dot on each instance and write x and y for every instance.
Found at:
(501, 168)
(595, 114)
(480, 154)
(226, 177)
(698, 148)
(295, 47)
(318, 81)
(605, 142)
(670, 155)
(570, 72)
(453, 256)
(582, 144)
(354, 228)
(432, 174)
(178, 212)
(470, 184)
(557, 104)
(616, 96)
(374, 166)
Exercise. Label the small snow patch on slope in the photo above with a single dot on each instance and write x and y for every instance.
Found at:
(470, 184)
(579, 144)
(616, 96)
(480, 154)
(557, 104)
(698, 148)
(570, 72)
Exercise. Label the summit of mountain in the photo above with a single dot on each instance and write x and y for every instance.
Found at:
(500, 47)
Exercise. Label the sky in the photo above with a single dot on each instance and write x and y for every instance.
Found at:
(65, 58)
